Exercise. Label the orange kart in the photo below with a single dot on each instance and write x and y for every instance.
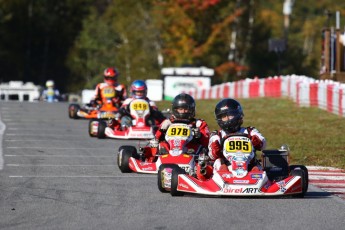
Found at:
(104, 110)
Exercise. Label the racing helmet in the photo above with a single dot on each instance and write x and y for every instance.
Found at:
(50, 84)
(183, 101)
(233, 110)
(110, 75)
(139, 89)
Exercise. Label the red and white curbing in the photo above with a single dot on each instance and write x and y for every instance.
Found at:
(329, 179)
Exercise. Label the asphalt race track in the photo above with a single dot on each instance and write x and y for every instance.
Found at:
(54, 176)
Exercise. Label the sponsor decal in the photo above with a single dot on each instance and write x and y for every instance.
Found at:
(251, 190)
(147, 169)
(184, 186)
(239, 172)
(241, 181)
(256, 176)
(185, 167)
(234, 190)
(177, 142)
(227, 175)
(140, 124)
(282, 185)
(147, 134)
(166, 175)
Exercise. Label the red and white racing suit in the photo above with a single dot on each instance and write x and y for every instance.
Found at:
(201, 139)
(215, 144)
(200, 124)
(120, 93)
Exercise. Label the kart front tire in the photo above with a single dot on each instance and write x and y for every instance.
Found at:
(101, 129)
(304, 183)
(91, 133)
(126, 152)
(174, 181)
(160, 177)
(306, 174)
(72, 111)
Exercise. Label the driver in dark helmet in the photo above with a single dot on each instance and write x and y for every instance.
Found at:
(229, 116)
(183, 111)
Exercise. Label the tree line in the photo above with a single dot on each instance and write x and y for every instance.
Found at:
(72, 42)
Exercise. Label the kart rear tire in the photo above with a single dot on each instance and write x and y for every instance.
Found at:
(174, 181)
(101, 129)
(306, 174)
(72, 111)
(299, 172)
(125, 152)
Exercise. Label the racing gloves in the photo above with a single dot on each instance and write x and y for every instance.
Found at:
(153, 143)
(256, 142)
(165, 124)
(196, 133)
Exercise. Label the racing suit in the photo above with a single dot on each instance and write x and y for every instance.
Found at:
(216, 150)
(50, 95)
(155, 118)
(118, 98)
(200, 138)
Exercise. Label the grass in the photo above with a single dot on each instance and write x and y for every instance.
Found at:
(314, 136)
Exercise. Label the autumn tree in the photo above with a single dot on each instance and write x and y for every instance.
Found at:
(198, 33)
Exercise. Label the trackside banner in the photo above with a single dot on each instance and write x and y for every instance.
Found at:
(185, 79)
(177, 84)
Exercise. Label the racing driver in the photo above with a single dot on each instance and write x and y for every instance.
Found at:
(110, 79)
(183, 111)
(229, 116)
(138, 91)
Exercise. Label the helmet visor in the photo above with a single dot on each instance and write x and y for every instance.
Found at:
(227, 115)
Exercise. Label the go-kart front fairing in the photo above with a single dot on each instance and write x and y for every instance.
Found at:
(171, 151)
(129, 160)
(140, 129)
(253, 184)
(106, 110)
(274, 178)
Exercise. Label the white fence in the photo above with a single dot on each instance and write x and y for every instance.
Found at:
(305, 91)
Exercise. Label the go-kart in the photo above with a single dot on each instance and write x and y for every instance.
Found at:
(171, 152)
(275, 178)
(105, 110)
(140, 128)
